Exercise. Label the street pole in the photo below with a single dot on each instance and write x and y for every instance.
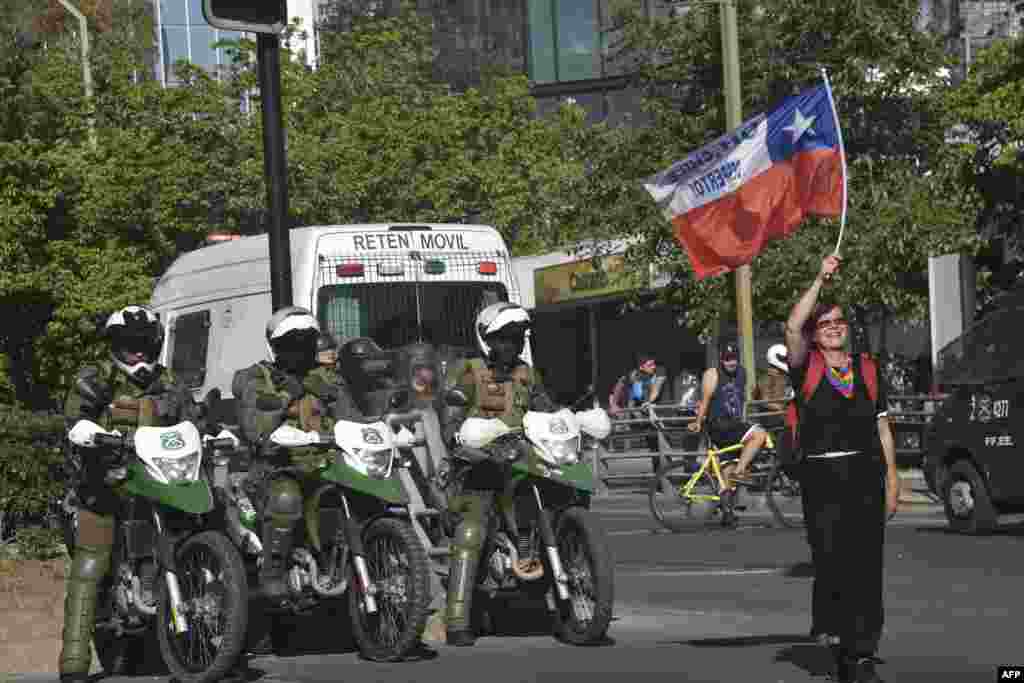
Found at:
(83, 29)
(268, 55)
(733, 119)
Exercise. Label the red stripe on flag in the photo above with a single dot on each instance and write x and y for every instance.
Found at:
(731, 231)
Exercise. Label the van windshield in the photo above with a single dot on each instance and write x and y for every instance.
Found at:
(387, 313)
(987, 352)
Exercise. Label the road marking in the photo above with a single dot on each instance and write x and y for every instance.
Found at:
(702, 572)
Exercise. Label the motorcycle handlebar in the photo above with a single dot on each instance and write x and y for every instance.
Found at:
(408, 418)
(108, 440)
(224, 444)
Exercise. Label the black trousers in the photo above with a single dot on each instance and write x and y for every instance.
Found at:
(844, 506)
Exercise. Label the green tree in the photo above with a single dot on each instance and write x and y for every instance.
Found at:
(904, 203)
(989, 110)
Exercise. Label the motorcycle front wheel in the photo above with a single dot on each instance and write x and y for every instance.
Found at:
(215, 608)
(583, 619)
(400, 573)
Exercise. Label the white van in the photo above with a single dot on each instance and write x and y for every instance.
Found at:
(395, 283)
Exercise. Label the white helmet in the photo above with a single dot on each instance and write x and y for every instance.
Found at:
(497, 317)
(777, 357)
(135, 329)
(291, 323)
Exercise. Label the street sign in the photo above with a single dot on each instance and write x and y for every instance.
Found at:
(255, 16)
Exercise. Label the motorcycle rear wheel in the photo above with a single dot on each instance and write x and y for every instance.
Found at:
(399, 569)
(584, 618)
(216, 593)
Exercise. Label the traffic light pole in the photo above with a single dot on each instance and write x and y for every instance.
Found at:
(268, 56)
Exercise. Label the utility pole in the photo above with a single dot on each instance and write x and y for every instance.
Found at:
(733, 119)
(83, 29)
(268, 50)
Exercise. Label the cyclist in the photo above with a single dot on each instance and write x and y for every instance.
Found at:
(723, 396)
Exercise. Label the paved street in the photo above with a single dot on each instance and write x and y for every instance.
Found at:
(731, 606)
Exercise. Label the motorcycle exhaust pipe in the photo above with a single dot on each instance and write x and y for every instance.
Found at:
(547, 536)
(355, 543)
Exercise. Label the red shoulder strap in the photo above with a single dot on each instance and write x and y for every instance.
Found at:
(869, 368)
(815, 371)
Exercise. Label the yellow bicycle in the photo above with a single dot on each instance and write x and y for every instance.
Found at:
(681, 497)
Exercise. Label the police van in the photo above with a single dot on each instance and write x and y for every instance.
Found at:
(394, 283)
(972, 453)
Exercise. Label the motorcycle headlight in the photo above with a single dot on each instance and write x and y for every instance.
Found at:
(377, 463)
(183, 468)
(561, 452)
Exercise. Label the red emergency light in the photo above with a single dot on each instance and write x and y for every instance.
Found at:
(487, 268)
(350, 270)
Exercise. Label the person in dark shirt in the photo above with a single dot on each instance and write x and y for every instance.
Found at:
(722, 403)
(849, 481)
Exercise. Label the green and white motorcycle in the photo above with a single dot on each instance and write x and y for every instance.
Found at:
(356, 537)
(543, 539)
(174, 571)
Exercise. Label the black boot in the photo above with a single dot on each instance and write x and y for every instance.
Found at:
(277, 547)
(74, 678)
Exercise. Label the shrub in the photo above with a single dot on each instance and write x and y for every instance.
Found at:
(31, 463)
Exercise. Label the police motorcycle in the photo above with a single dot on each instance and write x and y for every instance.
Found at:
(174, 570)
(356, 538)
(542, 541)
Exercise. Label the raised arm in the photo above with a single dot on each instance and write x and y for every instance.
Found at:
(708, 385)
(796, 345)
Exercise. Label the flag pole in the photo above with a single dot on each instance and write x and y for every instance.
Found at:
(842, 156)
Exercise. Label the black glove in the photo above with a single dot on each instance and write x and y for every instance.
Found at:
(96, 395)
(322, 389)
(290, 384)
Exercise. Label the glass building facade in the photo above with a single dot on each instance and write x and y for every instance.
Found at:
(185, 34)
(566, 42)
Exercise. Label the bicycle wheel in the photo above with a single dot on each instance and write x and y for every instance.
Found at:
(784, 498)
(677, 512)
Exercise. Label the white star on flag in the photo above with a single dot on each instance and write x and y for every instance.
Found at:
(800, 125)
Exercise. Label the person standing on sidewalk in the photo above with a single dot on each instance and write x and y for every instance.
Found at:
(849, 479)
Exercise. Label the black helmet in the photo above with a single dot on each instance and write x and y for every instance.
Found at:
(730, 350)
(326, 342)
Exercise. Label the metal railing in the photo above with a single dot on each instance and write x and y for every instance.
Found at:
(659, 434)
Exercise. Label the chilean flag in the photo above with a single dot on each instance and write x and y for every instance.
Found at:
(755, 184)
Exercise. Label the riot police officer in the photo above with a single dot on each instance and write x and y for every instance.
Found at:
(290, 389)
(500, 385)
(128, 391)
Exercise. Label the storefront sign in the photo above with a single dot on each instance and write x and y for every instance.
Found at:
(580, 280)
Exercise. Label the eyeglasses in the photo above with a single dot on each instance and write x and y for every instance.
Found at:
(826, 323)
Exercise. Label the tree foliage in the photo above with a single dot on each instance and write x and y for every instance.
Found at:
(989, 109)
(904, 203)
(371, 136)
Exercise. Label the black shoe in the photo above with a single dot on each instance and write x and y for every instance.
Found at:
(460, 638)
(864, 671)
(74, 678)
(263, 646)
